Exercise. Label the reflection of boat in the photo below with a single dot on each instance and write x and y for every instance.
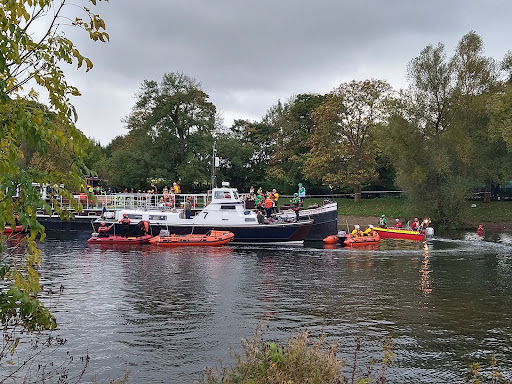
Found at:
(361, 240)
(212, 238)
(116, 239)
(9, 229)
(400, 233)
(225, 212)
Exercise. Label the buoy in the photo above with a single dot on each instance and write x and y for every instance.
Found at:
(332, 239)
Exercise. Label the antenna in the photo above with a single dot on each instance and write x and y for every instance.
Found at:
(214, 184)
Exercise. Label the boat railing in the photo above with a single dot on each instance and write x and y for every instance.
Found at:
(145, 201)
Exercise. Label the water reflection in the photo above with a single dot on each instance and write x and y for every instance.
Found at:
(166, 313)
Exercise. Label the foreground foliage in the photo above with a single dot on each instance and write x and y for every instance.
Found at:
(300, 361)
(32, 48)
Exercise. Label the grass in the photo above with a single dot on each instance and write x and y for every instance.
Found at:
(493, 212)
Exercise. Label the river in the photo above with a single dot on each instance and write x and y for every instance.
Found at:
(166, 314)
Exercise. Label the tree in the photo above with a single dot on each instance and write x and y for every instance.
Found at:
(438, 138)
(343, 149)
(177, 118)
(293, 126)
(29, 57)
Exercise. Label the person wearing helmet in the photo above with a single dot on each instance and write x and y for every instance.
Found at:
(125, 221)
(357, 231)
(382, 222)
(296, 204)
(415, 224)
(102, 229)
(398, 223)
(369, 231)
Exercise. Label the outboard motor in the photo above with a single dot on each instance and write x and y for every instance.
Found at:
(429, 234)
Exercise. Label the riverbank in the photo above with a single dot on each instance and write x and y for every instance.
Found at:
(495, 216)
(364, 221)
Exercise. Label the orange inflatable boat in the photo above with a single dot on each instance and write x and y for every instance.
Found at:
(212, 238)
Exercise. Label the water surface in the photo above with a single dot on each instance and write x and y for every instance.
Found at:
(166, 314)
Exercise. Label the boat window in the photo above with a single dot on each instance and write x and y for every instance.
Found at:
(135, 217)
(222, 195)
(227, 207)
(249, 219)
(157, 217)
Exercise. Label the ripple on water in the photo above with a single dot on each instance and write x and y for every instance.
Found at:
(165, 314)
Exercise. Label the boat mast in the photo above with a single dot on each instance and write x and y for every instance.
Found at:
(214, 184)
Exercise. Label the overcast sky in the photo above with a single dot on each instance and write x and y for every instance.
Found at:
(248, 54)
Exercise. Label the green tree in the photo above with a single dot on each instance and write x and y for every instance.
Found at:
(171, 129)
(343, 146)
(29, 57)
(293, 126)
(439, 137)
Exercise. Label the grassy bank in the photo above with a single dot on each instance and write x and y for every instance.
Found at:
(493, 212)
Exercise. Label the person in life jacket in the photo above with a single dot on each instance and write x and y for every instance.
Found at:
(369, 231)
(302, 194)
(176, 188)
(269, 204)
(415, 226)
(398, 223)
(275, 198)
(480, 230)
(296, 204)
(143, 227)
(102, 229)
(382, 222)
(125, 221)
(357, 231)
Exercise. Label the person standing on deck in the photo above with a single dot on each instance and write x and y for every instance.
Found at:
(296, 204)
(269, 204)
(176, 188)
(302, 194)
(188, 209)
(275, 198)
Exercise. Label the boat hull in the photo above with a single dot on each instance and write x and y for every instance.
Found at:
(115, 239)
(212, 239)
(8, 230)
(352, 241)
(325, 220)
(397, 233)
(259, 233)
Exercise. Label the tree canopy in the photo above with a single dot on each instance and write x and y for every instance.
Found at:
(31, 57)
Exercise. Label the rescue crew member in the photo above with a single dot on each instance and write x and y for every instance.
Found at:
(125, 221)
(302, 194)
(382, 222)
(296, 204)
(102, 229)
(269, 204)
(415, 225)
(176, 188)
(357, 231)
(275, 198)
(398, 223)
(369, 231)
